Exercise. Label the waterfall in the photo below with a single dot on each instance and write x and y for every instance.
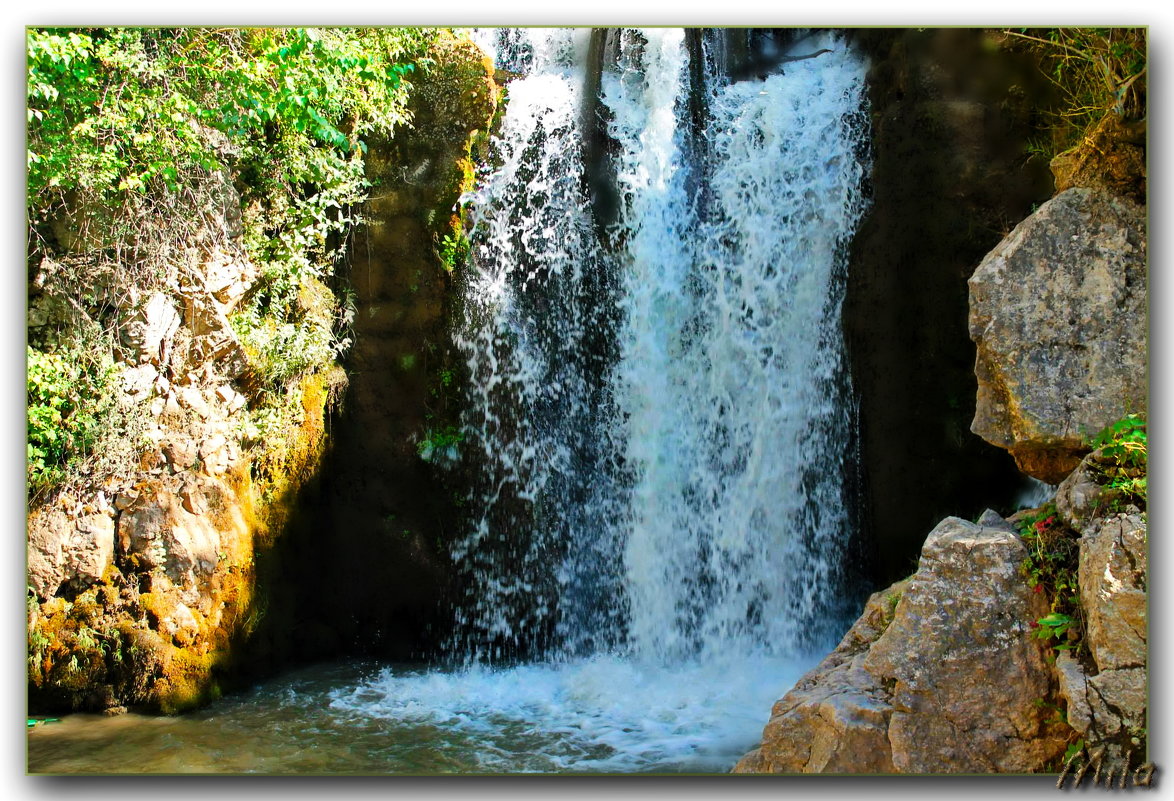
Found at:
(659, 415)
(660, 409)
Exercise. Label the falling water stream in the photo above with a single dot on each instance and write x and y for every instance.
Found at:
(660, 417)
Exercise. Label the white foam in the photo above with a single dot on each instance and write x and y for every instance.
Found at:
(602, 714)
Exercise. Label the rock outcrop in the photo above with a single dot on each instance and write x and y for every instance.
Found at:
(1111, 157)
(1058, 312)
(952, 684)
(1105, 691)
(178, 570)
(141, 582)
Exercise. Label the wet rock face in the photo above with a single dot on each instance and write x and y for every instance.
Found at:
(1058, 313)
(950, 117)
(950, 685)
(381, 506)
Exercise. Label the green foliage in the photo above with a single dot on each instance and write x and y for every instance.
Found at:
(69, 398)
(129, 118)
(1124, 441)
(453, 251)
(1121, 464)
(1054, 626)
(1051, 568)
(439, 442)
(288, 331)
(1095, 70)
(141, 141)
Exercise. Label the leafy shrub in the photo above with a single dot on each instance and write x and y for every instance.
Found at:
(130, 120)
(287, 329)
(69, 396)
(1122, 462)
(453, 251)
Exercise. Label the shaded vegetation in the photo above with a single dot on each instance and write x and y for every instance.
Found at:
(1051, 568)
(1095, 71)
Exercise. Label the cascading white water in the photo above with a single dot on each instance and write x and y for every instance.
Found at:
(733, 426)
(658, 409)
(537, 302)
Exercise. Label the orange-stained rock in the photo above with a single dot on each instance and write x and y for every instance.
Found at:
(1110, 157)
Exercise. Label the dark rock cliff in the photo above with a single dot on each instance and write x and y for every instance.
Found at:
(374, 542)
(950, 117)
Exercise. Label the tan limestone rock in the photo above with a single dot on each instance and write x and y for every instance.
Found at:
(1117, 699)
(836, 717)
(162, 535)
(1078, 495)
(212, 339)
(1112, 578)
(147, 336)
(63, 547)
(950, 685)
(967, 674)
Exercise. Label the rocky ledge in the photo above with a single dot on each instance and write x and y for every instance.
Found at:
(939, 675)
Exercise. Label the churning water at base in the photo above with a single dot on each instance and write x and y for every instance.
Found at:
(660, 416)
(602, 715)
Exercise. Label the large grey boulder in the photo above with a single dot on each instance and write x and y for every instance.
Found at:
(951, 685)
(1058, 312)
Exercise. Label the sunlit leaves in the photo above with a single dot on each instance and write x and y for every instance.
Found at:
(67, 398)
(118, 112)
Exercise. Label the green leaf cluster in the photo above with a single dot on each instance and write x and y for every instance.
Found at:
(69, 396)
(143, 142)
(1121, 463)
(288, 330)
(439, 441)
(453, 251)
